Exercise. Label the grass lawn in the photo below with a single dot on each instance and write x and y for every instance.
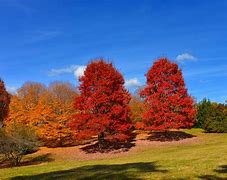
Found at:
(204, 159)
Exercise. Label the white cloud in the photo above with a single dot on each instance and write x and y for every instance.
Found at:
(11, 89)
(185, 57)
(134, 82)
(77, 70)
(56, 72)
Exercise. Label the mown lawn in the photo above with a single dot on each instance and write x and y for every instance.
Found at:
(204, 160)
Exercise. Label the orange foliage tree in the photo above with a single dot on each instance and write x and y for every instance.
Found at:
(102, 104)
(167, 103)
(137, 109)
(47, 109)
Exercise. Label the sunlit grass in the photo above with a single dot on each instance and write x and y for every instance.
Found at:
(204, 159)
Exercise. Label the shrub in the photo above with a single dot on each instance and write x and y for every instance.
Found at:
(17, 142)
(215, 118)
(203, 109)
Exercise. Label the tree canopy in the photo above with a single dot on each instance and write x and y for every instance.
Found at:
(167, 103)
(103, 104)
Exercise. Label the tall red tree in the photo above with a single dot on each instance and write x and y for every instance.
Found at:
(103, 104)
(4, 102)
(167, 103)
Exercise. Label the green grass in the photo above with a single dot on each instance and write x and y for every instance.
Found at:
(206, 159)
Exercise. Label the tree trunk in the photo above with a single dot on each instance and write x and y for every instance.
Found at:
(1, 123)
(101, 140)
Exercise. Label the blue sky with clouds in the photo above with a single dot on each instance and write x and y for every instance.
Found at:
(46, 40)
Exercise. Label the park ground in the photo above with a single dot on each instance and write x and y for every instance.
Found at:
(189, 154)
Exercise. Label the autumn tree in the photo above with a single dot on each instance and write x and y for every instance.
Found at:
(30, 93)
(62, 95)
(49, 120)
(4, 102)
(46, 109)
(136, 108)
(167, 103)
(24, 102)
(102, 104)
(54, 111)
(65, 92)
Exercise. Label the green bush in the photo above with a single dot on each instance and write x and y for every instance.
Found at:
(216, 120)
(212, 117)
(203, 109)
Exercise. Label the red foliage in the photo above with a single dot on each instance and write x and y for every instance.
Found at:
(4, 102)
(102, 106)
(139, 125)
(167, 103)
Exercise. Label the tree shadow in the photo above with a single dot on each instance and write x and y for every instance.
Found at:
(169, 136)
(38, 160)
(111, 146)
(221, 170)
(211, 177)
(29, 161)
(114, 171)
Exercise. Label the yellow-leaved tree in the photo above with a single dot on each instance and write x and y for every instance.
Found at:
(46, 109)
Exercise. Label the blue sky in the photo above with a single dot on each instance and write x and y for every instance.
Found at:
(46, 40)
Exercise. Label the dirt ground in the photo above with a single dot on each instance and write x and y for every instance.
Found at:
(141, 142)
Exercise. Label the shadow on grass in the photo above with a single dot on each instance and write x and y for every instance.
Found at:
(38, 160)
(169, 136)
(94, 172)
(111, 146)
(30, 161)
(221, 170)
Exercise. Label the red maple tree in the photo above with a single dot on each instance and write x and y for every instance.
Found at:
(167, 103)
(4, 102)
(103, 104)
